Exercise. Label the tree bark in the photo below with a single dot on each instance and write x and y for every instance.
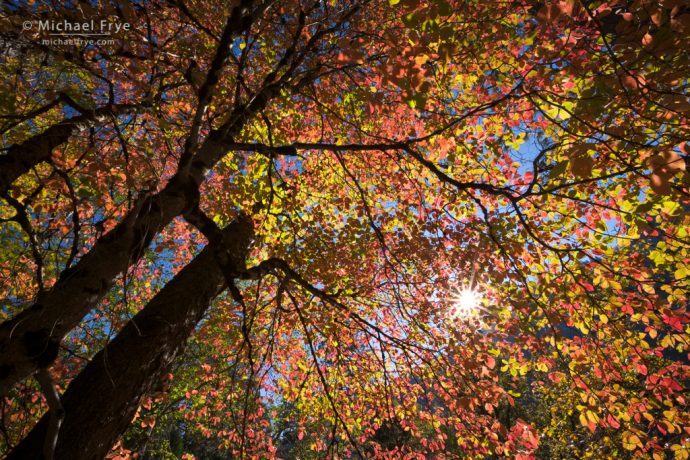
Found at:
(101, 401)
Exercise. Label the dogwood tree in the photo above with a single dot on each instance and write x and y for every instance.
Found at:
(402, 229)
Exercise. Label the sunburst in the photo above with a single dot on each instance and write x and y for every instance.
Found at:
(467, 302)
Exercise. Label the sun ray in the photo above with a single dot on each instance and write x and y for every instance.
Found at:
(466, 302)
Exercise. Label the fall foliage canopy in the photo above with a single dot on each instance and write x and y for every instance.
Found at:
(344, 229)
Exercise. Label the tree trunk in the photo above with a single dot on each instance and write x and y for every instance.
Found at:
(101, 401)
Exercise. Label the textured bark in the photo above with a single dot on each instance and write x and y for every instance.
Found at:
(21, 158)
(101, 402)
(30, 340)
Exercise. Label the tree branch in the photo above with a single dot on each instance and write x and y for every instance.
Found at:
(56, 412)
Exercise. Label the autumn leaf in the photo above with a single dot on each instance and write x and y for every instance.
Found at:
(664, 166)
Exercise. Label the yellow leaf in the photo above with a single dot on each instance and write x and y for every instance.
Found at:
(631, 441)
